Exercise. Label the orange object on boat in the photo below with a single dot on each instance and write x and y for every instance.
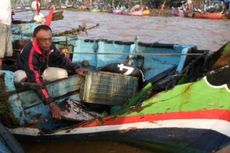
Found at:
(146, 12)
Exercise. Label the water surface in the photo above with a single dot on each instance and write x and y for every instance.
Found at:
(204, 33)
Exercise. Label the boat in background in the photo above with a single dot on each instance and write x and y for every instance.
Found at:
(207, 15)
(120, 11)
(95, 10)
(23, 28)
(140, 13)
(176, 11)
(137, 10)
(182, 11)
(196, 14)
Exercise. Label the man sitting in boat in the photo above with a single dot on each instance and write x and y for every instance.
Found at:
(40, 61)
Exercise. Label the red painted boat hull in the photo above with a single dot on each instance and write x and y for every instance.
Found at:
(207, 15)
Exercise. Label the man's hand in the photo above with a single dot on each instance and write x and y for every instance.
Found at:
(55, 110)
(81, 71)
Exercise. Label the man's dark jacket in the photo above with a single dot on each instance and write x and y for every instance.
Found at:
(34, 61)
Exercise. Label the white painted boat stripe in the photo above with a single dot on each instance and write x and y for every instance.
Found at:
(220, 126)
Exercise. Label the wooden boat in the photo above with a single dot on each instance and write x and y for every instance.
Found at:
(179, 12)
(139, 10)
(95, 10)
(140, 13)
(151, 122)
(133, 12)
(195, 14)
(25, 28)
(8, 144)
(117, 11)
(207, 15)
(120, 11)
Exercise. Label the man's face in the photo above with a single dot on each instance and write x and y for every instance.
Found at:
(44, 39)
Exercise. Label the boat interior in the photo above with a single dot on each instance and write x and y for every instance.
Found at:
(163, 66)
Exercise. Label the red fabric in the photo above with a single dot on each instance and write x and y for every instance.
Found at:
(31, 66)
(37, 6)
(49, 17)
(32, 69)
(35, 46)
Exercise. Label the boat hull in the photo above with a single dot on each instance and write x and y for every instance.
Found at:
(167, 139)
(179, 12)
(8, 144)
(162, 121)
(207, 15)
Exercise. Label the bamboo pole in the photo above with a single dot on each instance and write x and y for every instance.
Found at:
(162, 8)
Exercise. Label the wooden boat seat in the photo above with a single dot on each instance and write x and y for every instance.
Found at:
(26, 105)
(56, 89)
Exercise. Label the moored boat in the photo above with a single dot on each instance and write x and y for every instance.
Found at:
(137, 10)
(143, 123)
(198, 14)
(207, 15)
(95, 10)
(140, 13)
(179, 12)
(120, 11)
(117, 11)
(162, 65)
(8, 144)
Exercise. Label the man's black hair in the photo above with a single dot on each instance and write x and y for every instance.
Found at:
(41, 27)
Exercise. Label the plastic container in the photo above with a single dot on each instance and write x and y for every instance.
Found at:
(108, 88)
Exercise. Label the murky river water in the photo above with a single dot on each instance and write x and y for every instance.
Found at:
(205, 34)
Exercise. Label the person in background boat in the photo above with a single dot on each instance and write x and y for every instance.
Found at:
(39, 17)
(189, 5)
(40, 61)
(5, 30)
